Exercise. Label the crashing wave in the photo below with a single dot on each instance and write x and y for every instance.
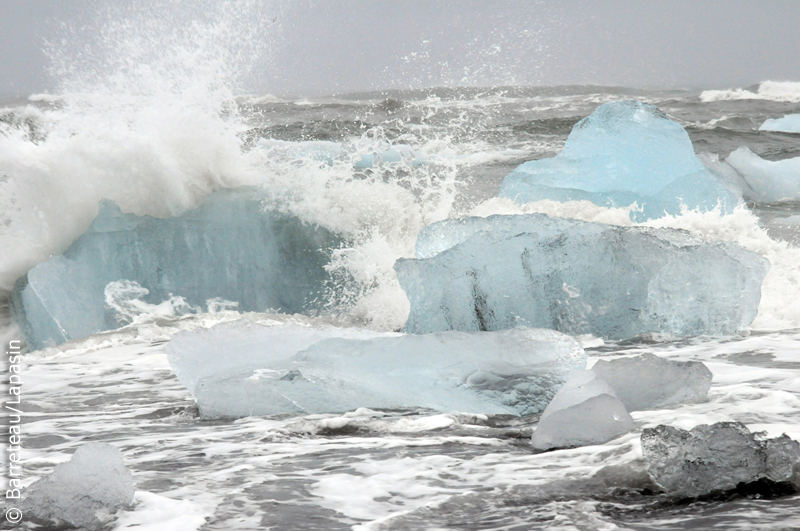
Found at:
(788, 91)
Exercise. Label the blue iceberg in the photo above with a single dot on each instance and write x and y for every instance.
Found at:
(227, 249)
(768, 181)
(790, 123)
(302, 366)
(625, 152)
(535, 271)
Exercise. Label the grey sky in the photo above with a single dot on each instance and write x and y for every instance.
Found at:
(352, 45)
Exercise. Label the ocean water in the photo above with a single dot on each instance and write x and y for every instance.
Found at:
(160, 131)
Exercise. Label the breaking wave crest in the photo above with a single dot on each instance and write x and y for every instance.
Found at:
(788, 91)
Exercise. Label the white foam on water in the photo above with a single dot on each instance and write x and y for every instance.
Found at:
(788, 91)
(153, 512)
(116, 390)
(582, 210)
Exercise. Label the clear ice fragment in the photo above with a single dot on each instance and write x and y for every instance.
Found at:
(717, 457)
(584, 411)
(649, 382)
(241, 368)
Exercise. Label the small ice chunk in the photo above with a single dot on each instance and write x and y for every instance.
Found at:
(240, 369)
(770, 181)
(625, 152)
(577, 277)
(716, 457)
(83, 492)
(649, 382)
(584, 411)
(790, 123)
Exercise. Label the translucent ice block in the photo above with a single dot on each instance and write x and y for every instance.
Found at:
(769, 181)
(241, 369)
(584, 411)
(229, 248)
(716, 457)
(648, 381)
(790, 123)
(615, 282)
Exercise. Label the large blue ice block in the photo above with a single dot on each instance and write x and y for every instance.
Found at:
(576, 277)
(227, 247)
(625, 152)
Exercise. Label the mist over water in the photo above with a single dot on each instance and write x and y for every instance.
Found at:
(157, 105)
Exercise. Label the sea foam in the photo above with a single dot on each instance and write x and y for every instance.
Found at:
(787, 91)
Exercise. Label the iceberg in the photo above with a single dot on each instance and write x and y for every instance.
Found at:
(717, 457)
(769, 181)
(301, 366)
(83, 492)
(227, 249)
(625, 152)
(584, 411)
(790, 123)
(650, 382)
(576, 277)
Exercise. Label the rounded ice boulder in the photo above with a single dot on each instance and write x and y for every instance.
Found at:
(83, 492)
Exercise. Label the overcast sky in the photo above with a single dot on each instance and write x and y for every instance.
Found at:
(352, 45)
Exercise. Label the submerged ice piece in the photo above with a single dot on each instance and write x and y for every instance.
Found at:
(228, 247)
(648, 381)
(82, 492)
(769, 181)
(305, 367)
(531, 270)
(585, 411)
(624, 152)
(717, 457)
